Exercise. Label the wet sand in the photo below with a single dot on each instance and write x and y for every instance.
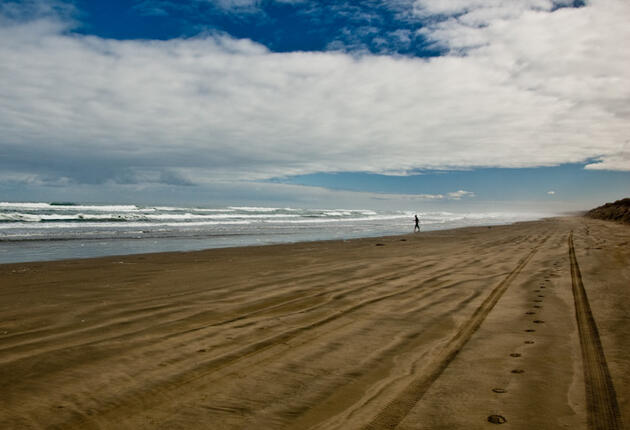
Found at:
(526, 324)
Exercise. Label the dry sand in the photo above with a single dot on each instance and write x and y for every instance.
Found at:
(424, 331)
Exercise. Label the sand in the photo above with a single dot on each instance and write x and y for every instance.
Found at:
(453, 329)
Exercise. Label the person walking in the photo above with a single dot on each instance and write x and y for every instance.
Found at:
(417, 226)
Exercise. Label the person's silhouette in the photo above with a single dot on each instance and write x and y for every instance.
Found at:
(417, 226)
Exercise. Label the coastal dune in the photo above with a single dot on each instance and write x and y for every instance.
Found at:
(524, 325)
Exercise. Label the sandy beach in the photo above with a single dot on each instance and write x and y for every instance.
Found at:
(525, 325)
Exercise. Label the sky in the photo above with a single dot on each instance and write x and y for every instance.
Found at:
(410, 104)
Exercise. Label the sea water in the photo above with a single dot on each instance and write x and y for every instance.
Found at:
(39, 231)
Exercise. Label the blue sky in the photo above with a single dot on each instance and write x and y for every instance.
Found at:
(367, 26)
(403, 103)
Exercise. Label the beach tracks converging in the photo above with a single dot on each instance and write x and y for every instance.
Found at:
(602, 406)
(397, 409)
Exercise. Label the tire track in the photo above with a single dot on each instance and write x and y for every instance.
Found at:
(182, 317)
(159, 389)
(335, 294)
(397, 409)
(149, 337)
(601, 400)
(345, 395)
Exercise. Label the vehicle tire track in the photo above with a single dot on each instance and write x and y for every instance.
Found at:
(601, 400)
(182, 317)
(397, 409)
(158, 389)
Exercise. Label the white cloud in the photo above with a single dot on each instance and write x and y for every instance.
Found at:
(615, 160)
(480, 12)
(528, 88)
(222, 193)
(457, 195)
(551, 192)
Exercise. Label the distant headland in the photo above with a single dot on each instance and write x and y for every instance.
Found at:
(616, 211)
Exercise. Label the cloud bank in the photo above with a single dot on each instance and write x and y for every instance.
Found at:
(520, 87)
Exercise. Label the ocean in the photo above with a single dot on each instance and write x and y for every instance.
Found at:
(39, 231)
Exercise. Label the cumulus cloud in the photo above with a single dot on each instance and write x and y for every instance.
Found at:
(536, 87)
(482, 11)
(615, 160)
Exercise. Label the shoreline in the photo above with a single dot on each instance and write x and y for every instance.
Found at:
(440, 329)
(235, 246)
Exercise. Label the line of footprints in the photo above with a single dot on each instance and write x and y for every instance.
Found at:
(537, 306)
